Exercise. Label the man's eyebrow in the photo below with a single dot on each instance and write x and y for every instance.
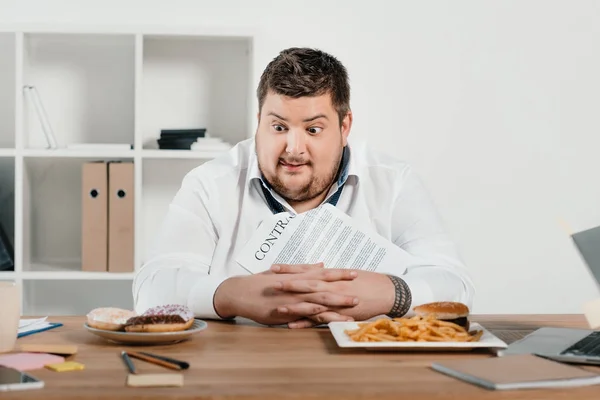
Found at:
(277, 116)
(315, 117)
(304, 120)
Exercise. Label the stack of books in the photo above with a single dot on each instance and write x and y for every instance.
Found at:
(179, 139)
(190, 139)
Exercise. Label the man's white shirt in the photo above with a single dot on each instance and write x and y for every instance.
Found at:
(220, 204)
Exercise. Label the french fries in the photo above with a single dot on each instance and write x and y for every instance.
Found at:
(414, 329)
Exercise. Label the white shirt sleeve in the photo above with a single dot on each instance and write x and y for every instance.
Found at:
(178, 268)
(434, 271)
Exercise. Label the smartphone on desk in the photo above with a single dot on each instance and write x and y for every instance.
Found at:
(13, 379)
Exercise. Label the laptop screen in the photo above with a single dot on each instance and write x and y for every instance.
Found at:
(588, 243)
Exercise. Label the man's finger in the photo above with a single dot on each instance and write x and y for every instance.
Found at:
(303, 286)
(323, 318)
(330, 299)
(334, 274)
(301, 324)
(295, 268)
(329, 316)
(302, 309)
(318, 282)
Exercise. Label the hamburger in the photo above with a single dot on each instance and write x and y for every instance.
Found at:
(448, 311)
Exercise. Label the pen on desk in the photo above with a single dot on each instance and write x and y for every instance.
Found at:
(182, 364)
(128, 362)
(153, 360)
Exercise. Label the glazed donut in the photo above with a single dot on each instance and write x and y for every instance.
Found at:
(166, 318)
(109, 318)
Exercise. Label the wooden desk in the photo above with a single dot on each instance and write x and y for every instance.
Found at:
(236, 360)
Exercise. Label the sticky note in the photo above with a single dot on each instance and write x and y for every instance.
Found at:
(66, 349)
(154, 380)
(66, 366)
(29, 361)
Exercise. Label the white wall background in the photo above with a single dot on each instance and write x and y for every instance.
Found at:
(496, 104)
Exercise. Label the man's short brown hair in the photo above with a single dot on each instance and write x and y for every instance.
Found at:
(298, 72)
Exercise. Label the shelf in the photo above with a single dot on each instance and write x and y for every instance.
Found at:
(7, 90)
(102, 85)
(79, 153)
(75, 275)
(216, 32)
(68, 270)
(7, 152)
(161, 179)
(7, 275)
(181, 154)
(86, 87)
(52, 208)
(195, 82)
(74, 297)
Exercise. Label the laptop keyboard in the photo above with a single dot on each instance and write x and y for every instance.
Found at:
(588, 346)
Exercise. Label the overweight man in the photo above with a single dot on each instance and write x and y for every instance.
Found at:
(300, 158)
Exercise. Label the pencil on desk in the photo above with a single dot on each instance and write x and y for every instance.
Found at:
(128, 362)
(152, 360)
(182, 364)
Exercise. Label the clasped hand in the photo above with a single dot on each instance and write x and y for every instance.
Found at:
(321, 295)
(305, 295)
(362, 294)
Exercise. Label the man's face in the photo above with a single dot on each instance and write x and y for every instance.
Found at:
(299, 143)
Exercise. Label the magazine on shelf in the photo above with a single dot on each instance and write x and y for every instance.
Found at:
(33, 96)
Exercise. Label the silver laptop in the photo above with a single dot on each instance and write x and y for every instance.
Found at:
(580, 346)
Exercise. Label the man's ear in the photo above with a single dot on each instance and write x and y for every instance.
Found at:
(257, 123)
(346, 127)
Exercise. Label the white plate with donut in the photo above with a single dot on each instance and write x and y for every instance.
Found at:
(148, 337)
(158, 325)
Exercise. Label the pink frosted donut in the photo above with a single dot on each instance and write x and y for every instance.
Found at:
(165, 318)
(109, 318)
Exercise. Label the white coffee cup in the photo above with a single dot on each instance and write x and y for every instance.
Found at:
(10, 313)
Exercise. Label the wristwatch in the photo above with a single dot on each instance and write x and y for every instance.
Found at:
(402, 298)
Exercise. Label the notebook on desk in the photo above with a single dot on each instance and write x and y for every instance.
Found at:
(522, 371)
(30, 326)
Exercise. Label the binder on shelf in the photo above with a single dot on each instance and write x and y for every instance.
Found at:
(7, 260)
(120, 217)
(94, 218)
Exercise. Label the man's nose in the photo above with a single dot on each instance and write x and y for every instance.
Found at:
(296, 143)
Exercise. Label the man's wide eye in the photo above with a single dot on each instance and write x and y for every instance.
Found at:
(279, 128)
(314, 130)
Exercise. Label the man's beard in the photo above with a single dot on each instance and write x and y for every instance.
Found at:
(312, 189)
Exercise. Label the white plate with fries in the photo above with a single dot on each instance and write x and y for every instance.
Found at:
(412, 334)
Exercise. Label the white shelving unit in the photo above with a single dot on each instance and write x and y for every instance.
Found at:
(102, 86)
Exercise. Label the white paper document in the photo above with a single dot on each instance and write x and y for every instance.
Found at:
(28, 325)
(324, 234)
